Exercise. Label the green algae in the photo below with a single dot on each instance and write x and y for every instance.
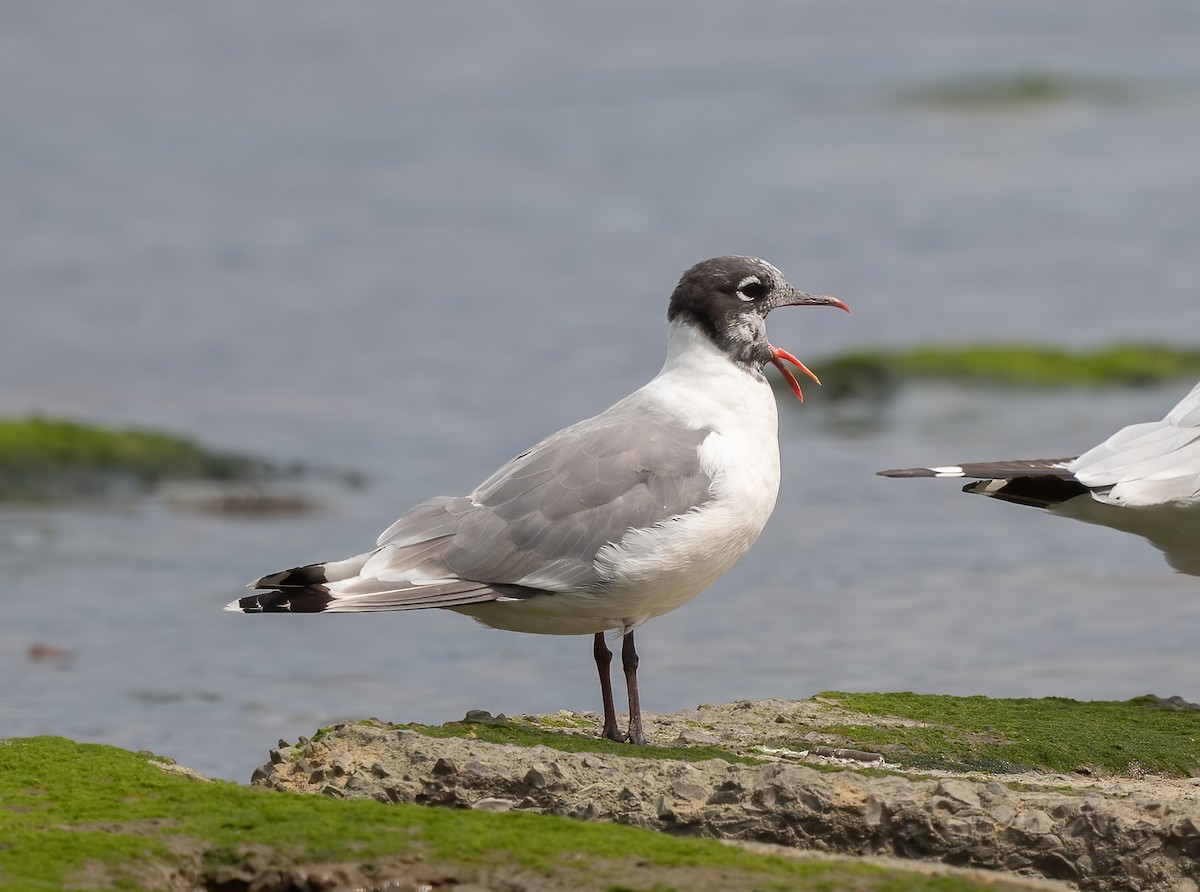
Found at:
(1042, 366)
(45, 456)
(1054, 734)
(876, 373)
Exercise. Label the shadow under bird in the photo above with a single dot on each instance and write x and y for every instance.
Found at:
(611, 521)
(1144, 479)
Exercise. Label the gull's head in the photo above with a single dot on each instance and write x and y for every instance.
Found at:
(728, 299)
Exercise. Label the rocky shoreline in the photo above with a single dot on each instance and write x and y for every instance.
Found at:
(1086, 832)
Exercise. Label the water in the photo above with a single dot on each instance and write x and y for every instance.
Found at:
(411, 241)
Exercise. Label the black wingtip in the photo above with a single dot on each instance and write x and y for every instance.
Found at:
(1035, 492)
(907, 472)
(304, 600)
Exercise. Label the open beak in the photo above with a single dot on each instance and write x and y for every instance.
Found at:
(796, 298)
(777, 358)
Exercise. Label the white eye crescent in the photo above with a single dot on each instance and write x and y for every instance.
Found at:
(751, 288)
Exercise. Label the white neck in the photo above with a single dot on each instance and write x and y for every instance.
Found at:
(703, 388)
(692, 351)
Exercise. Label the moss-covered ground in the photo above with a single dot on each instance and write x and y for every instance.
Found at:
(76, 814)
(1143, 735)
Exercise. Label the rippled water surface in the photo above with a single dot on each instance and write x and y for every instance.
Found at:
(412, 240)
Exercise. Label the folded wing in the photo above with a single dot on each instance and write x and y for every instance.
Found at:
(532, 528)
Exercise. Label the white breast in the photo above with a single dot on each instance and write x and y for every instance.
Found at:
(741, 455)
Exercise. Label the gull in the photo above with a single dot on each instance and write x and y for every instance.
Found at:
(613, 520)
(1144, 479)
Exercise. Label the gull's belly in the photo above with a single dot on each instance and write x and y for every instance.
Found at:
(663, 567)
(653, 571)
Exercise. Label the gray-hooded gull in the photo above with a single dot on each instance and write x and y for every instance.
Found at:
(1144, 479)
(611, 521)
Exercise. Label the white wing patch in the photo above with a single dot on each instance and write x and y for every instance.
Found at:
(948, 471)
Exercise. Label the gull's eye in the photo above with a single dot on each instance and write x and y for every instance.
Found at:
(751, 288)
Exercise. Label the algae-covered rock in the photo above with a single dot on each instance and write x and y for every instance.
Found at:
(61, 458)
(875, 374)
(1094, 794)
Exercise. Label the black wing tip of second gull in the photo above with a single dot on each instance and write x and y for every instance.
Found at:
(294, 600)
(1042, 491)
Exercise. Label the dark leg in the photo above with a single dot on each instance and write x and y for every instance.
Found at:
(603, 661)
(629, 661)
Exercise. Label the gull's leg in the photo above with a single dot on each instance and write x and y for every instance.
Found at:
(603, 661)
(629, 661)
